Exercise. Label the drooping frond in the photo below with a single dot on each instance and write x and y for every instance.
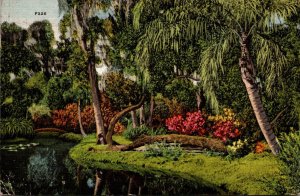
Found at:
(212, 65)
(137, 11)
(276, 12)
(269, 59)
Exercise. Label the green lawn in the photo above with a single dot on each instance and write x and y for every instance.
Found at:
(252, 174)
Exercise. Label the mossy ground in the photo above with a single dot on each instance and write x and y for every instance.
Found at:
(252, 174)
(72, 137)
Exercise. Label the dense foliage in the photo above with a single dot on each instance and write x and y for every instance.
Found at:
(13, 127)
(133, 133)
(291, 161)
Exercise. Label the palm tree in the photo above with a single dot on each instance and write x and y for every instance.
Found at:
(225, 24)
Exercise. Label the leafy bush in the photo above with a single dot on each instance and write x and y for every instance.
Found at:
(73, 137)
(39, 110)
(133, 133)
(290, 156)
(169, 151)
(12, 127)
(193, 124)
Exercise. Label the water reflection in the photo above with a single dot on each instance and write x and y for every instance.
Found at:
(47, 169)
(42, 169)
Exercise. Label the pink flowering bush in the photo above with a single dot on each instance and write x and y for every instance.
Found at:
(192, 124)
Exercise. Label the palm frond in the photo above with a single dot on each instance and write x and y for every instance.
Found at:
(276, 12)
(211, 66)
(269, 59)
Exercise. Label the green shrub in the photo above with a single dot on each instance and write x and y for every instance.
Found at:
(38, 110)
(13, 127)
(163, 149)
(290, 157)
(133, 133)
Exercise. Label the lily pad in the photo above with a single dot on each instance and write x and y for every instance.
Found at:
(13, 150)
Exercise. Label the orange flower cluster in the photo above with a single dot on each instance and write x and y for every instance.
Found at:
(260, 147)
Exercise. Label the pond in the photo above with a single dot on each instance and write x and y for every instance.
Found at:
(42, 166)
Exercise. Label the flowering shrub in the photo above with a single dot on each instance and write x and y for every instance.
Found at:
(193, 124)
(225, 130)
(260, 147)
(175, 123)
(225, 127)
(228, 115)
(238, 148)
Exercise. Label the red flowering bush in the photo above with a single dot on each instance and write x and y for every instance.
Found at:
(67, 118)
(225, 130)
(175, 123)
(193, 124)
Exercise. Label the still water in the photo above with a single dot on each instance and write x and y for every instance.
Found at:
(42, 166)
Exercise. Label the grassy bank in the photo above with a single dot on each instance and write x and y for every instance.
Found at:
(253, 174)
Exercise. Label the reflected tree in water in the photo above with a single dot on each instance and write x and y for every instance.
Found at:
(43, 169)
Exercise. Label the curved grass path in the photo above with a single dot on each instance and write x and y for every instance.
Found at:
(253, 174)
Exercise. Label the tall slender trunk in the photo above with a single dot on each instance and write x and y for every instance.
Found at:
(79, 120)
(152, 105)
(142, 115)
(100, 131)
(134, 119)
(81, 28)
(248, 77)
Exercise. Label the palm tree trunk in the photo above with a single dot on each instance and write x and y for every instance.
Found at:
(248, 77)
(80, 121)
